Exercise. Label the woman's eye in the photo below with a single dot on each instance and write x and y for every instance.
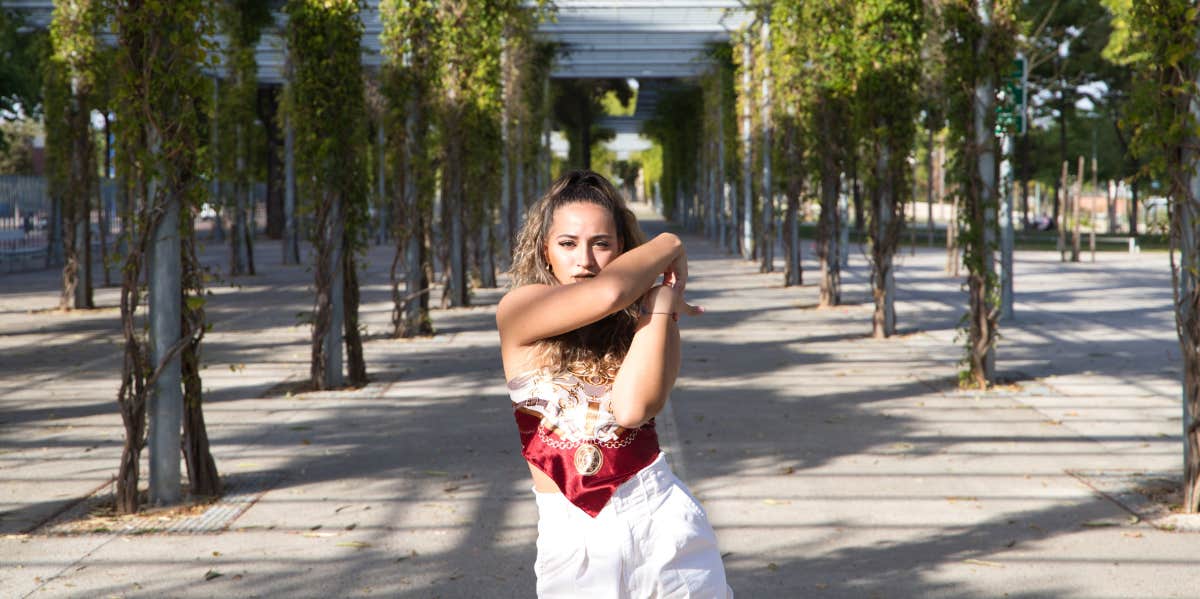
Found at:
(567, 244)
(602, 244)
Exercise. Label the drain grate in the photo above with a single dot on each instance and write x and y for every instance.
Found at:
(94, 515)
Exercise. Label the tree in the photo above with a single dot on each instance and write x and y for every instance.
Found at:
(410, 75)
(242, 22)
(470, 37)
(978, 45)
(577, 109)
(888, 70)
(673, 127)
(70, 78)
(1162, 45)
(25, 51)
(1063, 43)
(816, 73)
(326, 103)
(161, 97)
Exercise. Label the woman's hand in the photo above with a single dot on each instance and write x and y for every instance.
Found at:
(675, 277)
(668, 300)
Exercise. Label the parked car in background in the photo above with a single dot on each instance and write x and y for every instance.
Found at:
(207, 212)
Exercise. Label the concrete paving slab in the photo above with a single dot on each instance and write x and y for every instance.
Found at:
(830, 463)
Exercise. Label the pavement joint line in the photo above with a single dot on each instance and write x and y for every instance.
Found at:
(69, 505)
(111, 537)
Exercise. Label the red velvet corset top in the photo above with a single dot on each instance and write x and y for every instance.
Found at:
(568, 431)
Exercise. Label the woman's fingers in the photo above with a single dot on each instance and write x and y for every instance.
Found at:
(691, 310)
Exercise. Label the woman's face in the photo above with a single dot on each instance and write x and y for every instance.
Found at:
(582, 241)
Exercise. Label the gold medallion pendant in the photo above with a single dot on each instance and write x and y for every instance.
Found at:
(588, 459)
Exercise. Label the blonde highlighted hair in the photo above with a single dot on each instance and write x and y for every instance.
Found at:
(593, 352)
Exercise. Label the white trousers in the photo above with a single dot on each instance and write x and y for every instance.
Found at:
(652, 540)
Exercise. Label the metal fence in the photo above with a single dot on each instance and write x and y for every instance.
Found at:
(29, 225)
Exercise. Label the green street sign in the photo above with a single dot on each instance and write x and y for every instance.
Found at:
(1010, 99)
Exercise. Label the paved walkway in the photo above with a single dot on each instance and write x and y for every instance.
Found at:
(831, 464)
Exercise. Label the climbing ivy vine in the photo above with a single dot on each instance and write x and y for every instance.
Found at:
(325, 101)
(161, 100)
(70, 79)
(1162, 48)
(976, 52)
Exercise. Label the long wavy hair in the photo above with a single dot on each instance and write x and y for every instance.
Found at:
(592, 352)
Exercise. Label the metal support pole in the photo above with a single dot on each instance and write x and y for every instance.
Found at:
(747, 161)
(291, 239)
(1006, 231)
(986, 165)
(166, 402)
(381, 195)
(333, 337)
(722, 210)
(843, 245)
(1092, 213)
(768, 190)
(506, 243)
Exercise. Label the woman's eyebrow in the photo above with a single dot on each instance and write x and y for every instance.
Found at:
(573, 236)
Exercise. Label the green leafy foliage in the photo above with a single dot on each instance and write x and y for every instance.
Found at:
(23, 54)
(673, 128)
(976, 54)
(161, 101)
(1162, 47)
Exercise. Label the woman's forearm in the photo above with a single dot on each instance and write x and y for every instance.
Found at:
(633, 272)
(648, 373)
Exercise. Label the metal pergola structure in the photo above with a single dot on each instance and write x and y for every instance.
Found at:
(647, 40)
(655, 42)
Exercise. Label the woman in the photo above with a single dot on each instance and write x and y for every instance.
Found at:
(590, 345)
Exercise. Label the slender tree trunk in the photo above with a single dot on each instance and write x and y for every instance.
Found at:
(1059, 205)
(886, 220)
(410, 313)
(105, 212)
(1184, 183)
(507, 181)
(237, 239)
(326, 365)
(794, 157)
(980, 205)
(455, 210)
(723, 217)
(356, 365)
(1060, 217)
(768, 187)
(268, 110)
(1076, 198)
(747, 156)
(76, 202)
(856, 192)
(202, 469)
(829, 228)
(291, 234)
(929, 158)
(487, 253)
(1133, 207)
(952, 260)
(1185, 221)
